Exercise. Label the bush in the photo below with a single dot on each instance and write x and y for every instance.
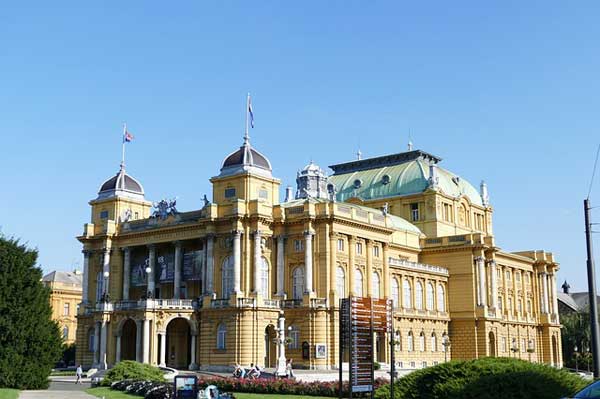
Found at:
(376, 366)
(487, 378)
(130, 370)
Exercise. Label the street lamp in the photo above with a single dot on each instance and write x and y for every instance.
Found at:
(446, 343)
(106, 274)
(514, 349)
(576, 355)
(280, 341)
(148, 271)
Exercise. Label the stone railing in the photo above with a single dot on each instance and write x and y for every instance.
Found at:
(126, 305)
(156, 304)
(271, 303)
(104, 307)
(246, 302)
(418, 266)
(318, 302)
(291, 303)
(219, 303)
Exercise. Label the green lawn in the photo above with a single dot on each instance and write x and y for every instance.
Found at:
(9, 393)
(109, 394)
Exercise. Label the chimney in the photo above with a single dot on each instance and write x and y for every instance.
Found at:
(483, 191)
(289, 194)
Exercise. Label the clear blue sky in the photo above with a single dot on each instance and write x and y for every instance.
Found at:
(506, 92)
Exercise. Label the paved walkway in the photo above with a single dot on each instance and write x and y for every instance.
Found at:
(60, 388)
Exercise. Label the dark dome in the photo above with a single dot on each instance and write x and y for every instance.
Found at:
(247, 155)
(121, 184)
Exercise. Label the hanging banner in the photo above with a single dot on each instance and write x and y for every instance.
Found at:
(138, 276)
(165, 268)
(193, 262)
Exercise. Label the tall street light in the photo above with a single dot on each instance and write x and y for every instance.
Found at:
(280, 340)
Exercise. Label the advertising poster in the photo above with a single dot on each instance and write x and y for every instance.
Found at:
(138, 270)
(165, 267)
(192, 265)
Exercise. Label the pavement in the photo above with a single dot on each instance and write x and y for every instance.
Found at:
(60, 388)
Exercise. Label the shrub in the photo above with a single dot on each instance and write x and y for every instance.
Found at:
(487, 378)
(130, 370)
(376, 366)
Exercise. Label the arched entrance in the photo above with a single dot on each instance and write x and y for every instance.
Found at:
(554, 352)
(178, 343)
(270, 346)
(492, 344)
(128, 340)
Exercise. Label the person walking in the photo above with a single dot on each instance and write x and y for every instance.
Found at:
(288, 368)
(78, 373)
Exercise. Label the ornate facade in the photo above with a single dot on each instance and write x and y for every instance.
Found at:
(203, 289)
(65, 296)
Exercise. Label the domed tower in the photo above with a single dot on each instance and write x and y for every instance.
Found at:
(311, 182)
(246, 174)
(120, 199)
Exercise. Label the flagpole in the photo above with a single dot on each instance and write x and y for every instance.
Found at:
(123, 145)
(246, 136)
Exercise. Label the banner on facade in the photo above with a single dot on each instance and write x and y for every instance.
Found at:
(165, 268)
(193, 262)
(138, 276)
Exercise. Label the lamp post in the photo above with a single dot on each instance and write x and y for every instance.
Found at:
(148, 271)
(106, 274)
(446, 343)
(280, 341)
(576, 355)
(514, 349)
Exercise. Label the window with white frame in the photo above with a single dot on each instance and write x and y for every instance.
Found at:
(504, 344)
(359, 248)
(221, 336)
(422, 341)
(99, 286)
(445, 342)
(529, 306)
(419, 295)
(298, 245)
(227, 277)
(340, 282)
(410, 343)
(358, 282)
(340, 244)
(65, 333)
(376, 285)
(398, 340)
(395, 293)
(407, 294)
(430, 296)
(91, 338)
(264, 277)
(520, 306)
(376, 251)
(298, 282)
(500, 304)
(414, 212)
(66, 309)
(441, 298)
(294, 341)
(523, 346)
(433, 342)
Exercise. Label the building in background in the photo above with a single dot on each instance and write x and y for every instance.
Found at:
(203, 289)
(65, 297)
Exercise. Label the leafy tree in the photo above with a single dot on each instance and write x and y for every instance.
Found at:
(30, 341)
(575, 332)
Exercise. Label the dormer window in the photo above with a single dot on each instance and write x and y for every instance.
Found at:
(104, 215)
(263, 194)
(230, 193)
(385, 179)
(357, 183)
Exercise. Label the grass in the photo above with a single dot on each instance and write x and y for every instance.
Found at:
(8, 393)
(110, 394)
(62, 373)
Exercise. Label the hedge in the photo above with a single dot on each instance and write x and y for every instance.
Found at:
(130, 370)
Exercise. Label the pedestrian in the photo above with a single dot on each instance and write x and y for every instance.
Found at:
(78, 373)
(288, 368)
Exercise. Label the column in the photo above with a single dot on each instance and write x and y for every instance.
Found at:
(118, 356)
(308, 262)
(351, 265)
(162, 336)
(333, 264)
(237, 262)
(193, 365)
(96, 344)
(138, 341)
(103, 336)
(126, 272)
(554, 295)
(258, 289)
(544, 292)
(106, 268)
(280, 265)
(369, 249)
(386, 274)
(494, 284)
(482, 294)
(151, 265)
(210, 263)
(177, 276)
(146, 341)
(86, 275)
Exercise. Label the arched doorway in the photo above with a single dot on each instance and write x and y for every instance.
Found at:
(128, 340)
(492, 344)
(178, 343)
(554, 352)
(270, 346)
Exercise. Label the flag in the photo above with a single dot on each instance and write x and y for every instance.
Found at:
(250, 112)
(127, 137)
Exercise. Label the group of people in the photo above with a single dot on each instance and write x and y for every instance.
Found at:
(254, 371)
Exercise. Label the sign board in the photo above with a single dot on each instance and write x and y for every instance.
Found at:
(186, 386)
(192, 265)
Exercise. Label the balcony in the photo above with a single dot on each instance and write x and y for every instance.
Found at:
(422, 267)
(219, 303)
(160, 304)
(318, 303)
(291, 303)
(272, 303)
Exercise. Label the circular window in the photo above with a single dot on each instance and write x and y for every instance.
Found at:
(385, 179)
(357, 183)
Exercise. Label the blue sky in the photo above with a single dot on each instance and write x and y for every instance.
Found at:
(504, 91)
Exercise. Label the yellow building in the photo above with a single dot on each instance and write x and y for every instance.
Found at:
(204, 288)
(65, 296)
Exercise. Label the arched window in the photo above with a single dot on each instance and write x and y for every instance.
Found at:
(430, 296)
(294, 342)
(441, 299)
(358, 282)
(298, 282)
(419, 295)
(500, 304)
(395, 293)
(91, 338)
(221, 336)
(410, 343)
(340, 282)
(445, 342)
(398, 340)
(376, 285)
(422, 341)
(227, 277)
(264, 277)
(65, 333)
(407, 291)
(99, 286)
(433, 342)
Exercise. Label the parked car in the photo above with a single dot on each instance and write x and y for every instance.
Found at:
(592, 391)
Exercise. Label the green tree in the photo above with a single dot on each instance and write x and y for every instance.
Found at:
(30, 341)
(575, 332)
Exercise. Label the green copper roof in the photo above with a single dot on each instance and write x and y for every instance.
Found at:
(387, 179)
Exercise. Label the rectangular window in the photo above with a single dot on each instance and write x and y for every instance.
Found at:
(359, 248)
(66, 309)
(376, 251)
(503, 344)
(137, 216)
(298, 245)
(340, 244)
(508, 275)
(518, 277)
(523, 347)
(294, 341)
(414, 212)
(104, 215)
(230, 193)
(263, 194)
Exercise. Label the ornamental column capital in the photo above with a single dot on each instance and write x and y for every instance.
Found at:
(177, 243)
(210, 235)
(106, 251)
(491, 262)
(125, 249)
(151, 246)
(308, 233)
(479, 259)
(236, 233)
(256, 233)
(87, 252)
